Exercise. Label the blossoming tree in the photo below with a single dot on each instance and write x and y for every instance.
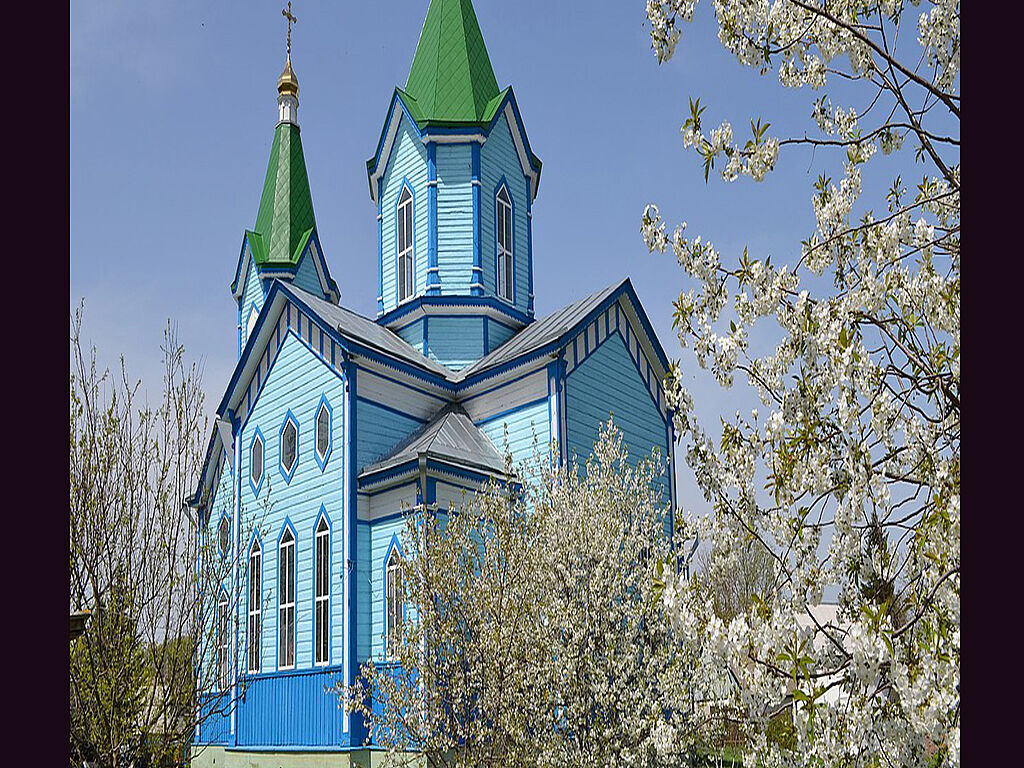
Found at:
(534, 636)
(850, 477)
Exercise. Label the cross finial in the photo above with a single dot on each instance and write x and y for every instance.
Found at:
(287, 13)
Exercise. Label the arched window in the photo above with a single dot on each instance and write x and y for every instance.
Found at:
(321, 594)
(255, 604)
(395, 602)
(404, 239)
(286, 601)
(503, 234)
(223, 658)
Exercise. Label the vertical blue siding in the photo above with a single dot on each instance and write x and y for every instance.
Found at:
(454, 218)
(408, 160)
(291, 708)
(498, 158)
(523, 424)
(607, 384)
(455, 341)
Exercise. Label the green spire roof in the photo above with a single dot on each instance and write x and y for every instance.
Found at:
(451, 79)
(285, 217)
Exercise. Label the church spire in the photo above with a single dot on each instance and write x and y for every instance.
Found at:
(288, 83)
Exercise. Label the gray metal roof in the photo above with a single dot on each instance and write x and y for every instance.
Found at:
(450, 435)
(541, 332)
(366, 331)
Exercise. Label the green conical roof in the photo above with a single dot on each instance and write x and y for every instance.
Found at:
(285, 217)
(451, 78)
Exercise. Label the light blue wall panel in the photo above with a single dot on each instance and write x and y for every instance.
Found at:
(408, 160)
(381, 534)
(523, 424)
(607, 384)
(379, 431)
(455, 341)
(296, 381)
(252, 293)
(363, 619)
(454, 218)
(498, 158)
(497, 334)
(413, 334)
(306, 277)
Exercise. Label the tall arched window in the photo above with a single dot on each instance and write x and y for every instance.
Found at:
(404, 239)
(255, 604)
(223, 666)
(321, 594)
(286, 601)
(503, 234)
(395, 602)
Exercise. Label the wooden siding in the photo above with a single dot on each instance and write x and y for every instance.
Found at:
(381, 534)
(296, 380)
(306, 276)
(498, 158)
(524, 424)
(607, 383)
(402, 397)
(291, 708)
(517, 392)
(252, 293)
(497, 334)
(363, 625)
(454, 218)
(412, 334)
(408, 160)
(379, 431)
(455, 342)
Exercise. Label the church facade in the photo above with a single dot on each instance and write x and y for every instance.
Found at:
(333, 424)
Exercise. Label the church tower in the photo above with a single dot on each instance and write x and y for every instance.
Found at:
(454, 181)
(283, 243)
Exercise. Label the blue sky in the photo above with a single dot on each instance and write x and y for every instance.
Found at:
(173, 107)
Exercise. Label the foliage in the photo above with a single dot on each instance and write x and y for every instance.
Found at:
(851, 479)
(535, 636)
(133, 554)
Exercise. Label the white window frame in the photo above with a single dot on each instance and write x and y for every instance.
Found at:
(395, 605)
(322, 593)
(505, 263)
(316, 429)
(286, 601)
(405, 225)
(223, 625)
(255, 606)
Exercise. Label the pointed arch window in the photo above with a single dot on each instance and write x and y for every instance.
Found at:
(503, 233)
(223, 666)
(321, 599)
(394, 602)
(404, 240)
(286, 601)
(255, 625)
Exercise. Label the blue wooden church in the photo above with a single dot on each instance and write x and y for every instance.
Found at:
(342, 421)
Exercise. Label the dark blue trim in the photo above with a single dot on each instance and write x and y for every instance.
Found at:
(324, 402)
(433, 276)
(263, 455)
(487, 346)
(285, 473)
(348, 565)
(426, 337)
(455, 301)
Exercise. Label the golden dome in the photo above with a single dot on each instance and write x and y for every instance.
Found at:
(287, 82)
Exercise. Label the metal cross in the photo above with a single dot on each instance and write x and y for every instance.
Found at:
(287, 13)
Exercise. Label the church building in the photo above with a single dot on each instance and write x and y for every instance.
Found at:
(332, 424)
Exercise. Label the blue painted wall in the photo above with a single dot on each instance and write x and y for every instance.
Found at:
(498, 158)
(523, 423)
(380, 430)
(295, 381)
(497, 334)
(291, 708)
(408, 160)
(607, 384)
(454, 218)
(413, 334)
(455, 341)
(306, 277)
(381, 534)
